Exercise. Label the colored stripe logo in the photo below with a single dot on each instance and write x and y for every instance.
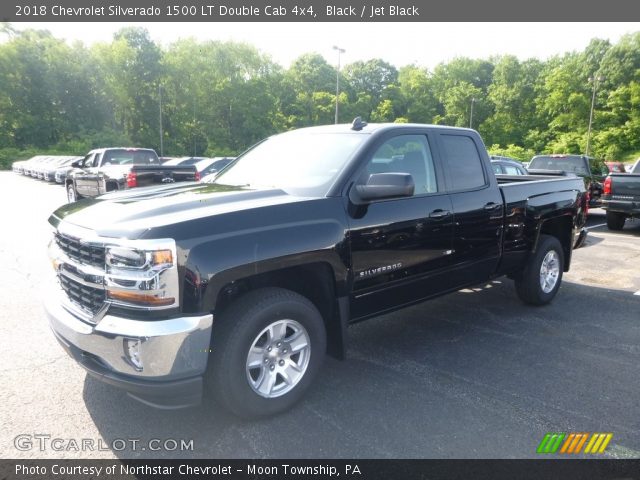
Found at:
(569, 443)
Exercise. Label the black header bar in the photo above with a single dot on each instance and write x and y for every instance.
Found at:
(317, 10)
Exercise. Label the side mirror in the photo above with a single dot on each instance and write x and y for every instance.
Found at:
(381, 186)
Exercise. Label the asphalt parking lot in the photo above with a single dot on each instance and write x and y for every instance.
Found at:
(475, 374)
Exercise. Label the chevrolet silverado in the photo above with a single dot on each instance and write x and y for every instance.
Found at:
(241, 285)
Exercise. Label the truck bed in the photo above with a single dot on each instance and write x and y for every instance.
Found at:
(148, 175)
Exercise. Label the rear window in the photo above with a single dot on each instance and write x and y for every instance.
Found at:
(130, 157)
(573, 164)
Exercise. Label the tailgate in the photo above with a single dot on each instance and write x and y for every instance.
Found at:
(625, 185)
(148, 175)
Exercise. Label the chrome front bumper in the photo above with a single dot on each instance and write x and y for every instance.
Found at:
(171, 352)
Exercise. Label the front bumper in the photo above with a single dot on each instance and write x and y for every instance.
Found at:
(173, 353)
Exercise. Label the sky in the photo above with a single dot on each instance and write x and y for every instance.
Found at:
(420, 43)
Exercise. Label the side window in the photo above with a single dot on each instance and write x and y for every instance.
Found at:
(405, 154)
(513, 170)
(89, 160)
(463, 162)
(497, 169)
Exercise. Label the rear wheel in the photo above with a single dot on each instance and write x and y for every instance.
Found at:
(72, 194)
(615, 220)
(541, 277)
(266, 350)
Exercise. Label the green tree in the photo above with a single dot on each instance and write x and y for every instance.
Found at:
(308, 76)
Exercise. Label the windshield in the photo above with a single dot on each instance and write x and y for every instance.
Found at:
(572, 164)
(300, 162)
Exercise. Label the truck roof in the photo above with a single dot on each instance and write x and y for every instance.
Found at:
(131, 149)
(375, 127)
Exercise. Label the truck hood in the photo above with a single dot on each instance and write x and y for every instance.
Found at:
(131, 213)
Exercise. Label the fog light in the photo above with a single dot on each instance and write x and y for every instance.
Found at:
(133, 352)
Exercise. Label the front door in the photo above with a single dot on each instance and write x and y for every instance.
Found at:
(400, 248)
(83, 179)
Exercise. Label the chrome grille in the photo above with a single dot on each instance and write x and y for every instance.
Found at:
(88, 298)
(81, 252)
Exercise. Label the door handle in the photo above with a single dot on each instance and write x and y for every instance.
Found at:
(439, 213)
(491, 206)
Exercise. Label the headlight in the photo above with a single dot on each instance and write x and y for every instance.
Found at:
(123, 257)
(142, 276)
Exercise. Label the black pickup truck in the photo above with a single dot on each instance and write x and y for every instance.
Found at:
(244, 283)
(621, 197)
(591, 170)
(107, 169)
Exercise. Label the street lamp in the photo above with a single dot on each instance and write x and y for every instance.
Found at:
(595, 81)
(160, 98)
(340, 50)
(473, 101)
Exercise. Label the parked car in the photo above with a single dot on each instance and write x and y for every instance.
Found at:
(49, 170)
(585, 167)
(615, 167)
(109, 169)
(60, 174)
(23, 166)
(621, 197)
(35, 169)
(285, 253)
(211, 166)
(507, 166)
(18, 167)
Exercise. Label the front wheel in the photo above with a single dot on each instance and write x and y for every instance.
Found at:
(615, 220)
(541, 277)
(266, 350)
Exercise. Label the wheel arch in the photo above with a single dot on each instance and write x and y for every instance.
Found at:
(112, 185)
(560, 227)
(314, 280)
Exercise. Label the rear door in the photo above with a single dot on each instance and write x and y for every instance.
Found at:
(400, 248)
(478, 206)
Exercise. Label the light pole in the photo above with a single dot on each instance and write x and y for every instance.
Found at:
(473, 101)
(595, 81)
(160, 97)
(340, 50)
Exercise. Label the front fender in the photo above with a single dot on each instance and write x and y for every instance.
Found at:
(217, 262)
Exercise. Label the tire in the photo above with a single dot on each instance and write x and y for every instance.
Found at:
(272, 323)
(542, 276)
(72, 194)
(615, 220)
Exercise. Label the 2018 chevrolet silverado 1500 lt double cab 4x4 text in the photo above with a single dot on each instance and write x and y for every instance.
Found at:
(108, 169)
(244, 283)
(621, 197)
